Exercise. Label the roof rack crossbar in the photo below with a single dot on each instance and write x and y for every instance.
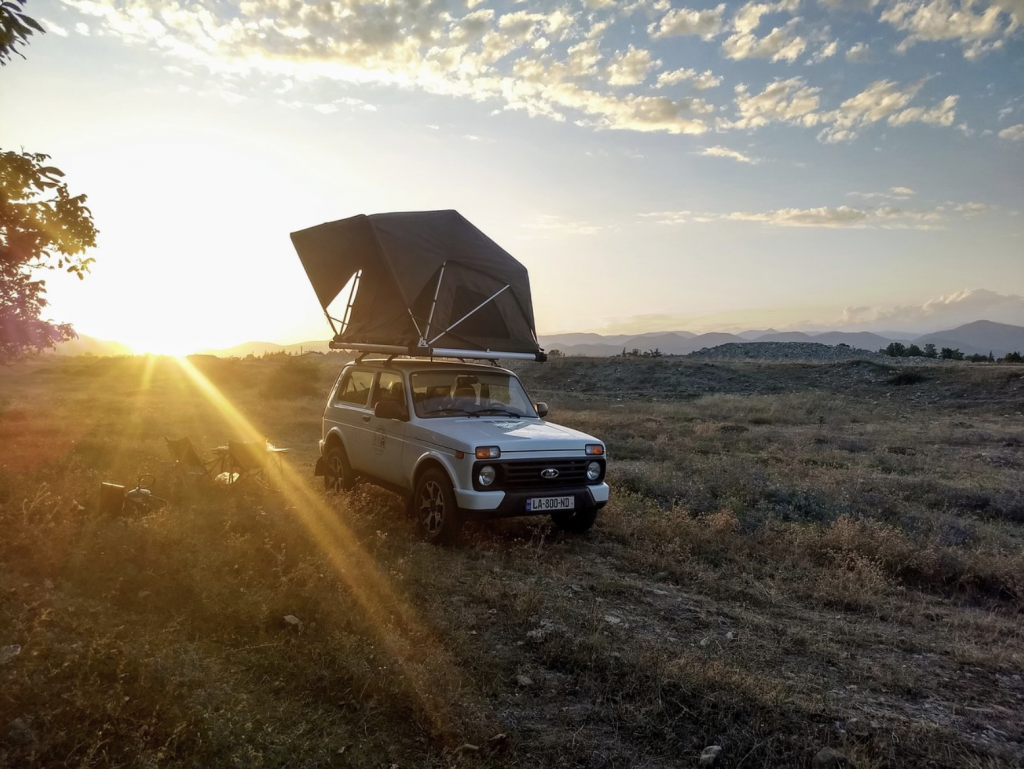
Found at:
(440, 352)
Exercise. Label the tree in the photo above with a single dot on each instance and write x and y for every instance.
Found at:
(914, 351)
(15, 28)
(930, 351)
(948, 353)
(1013, 357)
(42, 226)
(895, 350)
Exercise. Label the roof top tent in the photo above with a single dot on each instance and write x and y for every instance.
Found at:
(420, 283)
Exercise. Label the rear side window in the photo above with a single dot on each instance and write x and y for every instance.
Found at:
(355, 388)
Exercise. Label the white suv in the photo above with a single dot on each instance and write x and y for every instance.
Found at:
(460, 440)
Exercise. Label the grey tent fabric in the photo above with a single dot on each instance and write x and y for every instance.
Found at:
(421, 273)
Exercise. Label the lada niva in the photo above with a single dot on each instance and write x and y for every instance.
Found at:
(458, 440)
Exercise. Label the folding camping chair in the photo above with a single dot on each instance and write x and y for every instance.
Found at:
(189, 467)
(252, 460)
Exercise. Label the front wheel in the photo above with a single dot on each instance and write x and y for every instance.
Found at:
(437, 516)
(338, 473)
(575, 522)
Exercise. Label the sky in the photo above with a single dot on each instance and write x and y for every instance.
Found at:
(655, 164)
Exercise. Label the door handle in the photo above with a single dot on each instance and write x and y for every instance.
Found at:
(366, 417)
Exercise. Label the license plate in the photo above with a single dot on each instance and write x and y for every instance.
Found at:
(550, 503)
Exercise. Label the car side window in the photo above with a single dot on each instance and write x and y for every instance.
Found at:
(389, 387)
(355, 387)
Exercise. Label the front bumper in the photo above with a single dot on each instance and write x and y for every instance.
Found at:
(505, 504)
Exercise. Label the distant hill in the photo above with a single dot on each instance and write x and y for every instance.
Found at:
(263, 348)
(90, 345)
(978, 338)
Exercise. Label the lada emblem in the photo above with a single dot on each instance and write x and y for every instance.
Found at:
(549, 473)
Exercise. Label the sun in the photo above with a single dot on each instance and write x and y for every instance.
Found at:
(161, 344)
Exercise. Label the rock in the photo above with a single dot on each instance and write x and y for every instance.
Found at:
(611, 619)
(524, 681)
(829, 758)
(8, 653)
(20, 734)
(291, 621)
(711, 756)
(540, 633)
(467, 748)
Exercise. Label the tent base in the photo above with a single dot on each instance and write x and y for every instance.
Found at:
(438, 352)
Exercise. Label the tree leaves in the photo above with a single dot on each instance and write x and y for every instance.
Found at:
(15, 29)
(42, 227)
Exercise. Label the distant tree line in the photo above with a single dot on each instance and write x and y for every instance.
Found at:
(899, 350)
(636, 352)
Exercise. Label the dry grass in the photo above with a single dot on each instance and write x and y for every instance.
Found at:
(795, 556)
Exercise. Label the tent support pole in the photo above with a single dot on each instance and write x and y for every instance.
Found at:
(433, 305)
(491, 298)
(351, 300)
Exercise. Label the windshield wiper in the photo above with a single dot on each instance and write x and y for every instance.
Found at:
(447, 409)
(496, 410)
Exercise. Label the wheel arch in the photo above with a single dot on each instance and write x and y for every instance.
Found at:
(334, 439)
(430, 462)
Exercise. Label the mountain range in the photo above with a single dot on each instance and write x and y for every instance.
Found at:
(979, 337)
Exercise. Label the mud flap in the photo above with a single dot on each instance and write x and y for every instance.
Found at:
(321, 468)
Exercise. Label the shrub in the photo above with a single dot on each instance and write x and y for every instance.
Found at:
(294, 378)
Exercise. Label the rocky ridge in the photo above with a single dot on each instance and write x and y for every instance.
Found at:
(813, 352)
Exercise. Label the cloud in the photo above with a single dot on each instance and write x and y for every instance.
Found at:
(1013, 133)
(834, 217)
(858, 53)
(572, 227)
(725, 152)
(936, 20)
(852, 5)
(827, 51)
(677, 22)
(53, 27)
(701, 81)
(630, 67)
(940, 313)
(781, 44)
(893, 193)
(782, 101)
(883, 100)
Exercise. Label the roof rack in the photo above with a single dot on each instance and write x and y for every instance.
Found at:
(437, 352)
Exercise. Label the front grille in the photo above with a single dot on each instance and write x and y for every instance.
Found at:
(526, 474)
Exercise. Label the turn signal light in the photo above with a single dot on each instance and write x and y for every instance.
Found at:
(595, 449)
(488, 452)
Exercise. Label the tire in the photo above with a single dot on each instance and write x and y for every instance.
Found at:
(433, 501)
(576, 522)
(338, 475)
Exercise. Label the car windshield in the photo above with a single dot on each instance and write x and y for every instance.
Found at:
(469, 393)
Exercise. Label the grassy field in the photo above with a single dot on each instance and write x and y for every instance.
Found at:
(795, 556)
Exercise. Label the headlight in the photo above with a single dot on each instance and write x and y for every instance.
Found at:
(593, 471)
(486, 475)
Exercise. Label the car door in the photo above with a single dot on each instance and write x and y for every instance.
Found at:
(387, 436)
(349, 410)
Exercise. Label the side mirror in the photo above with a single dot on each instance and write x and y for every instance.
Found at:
(390, 410)
(542, 409)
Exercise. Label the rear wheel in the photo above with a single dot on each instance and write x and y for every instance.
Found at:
(437, 516)
(575, 522)
(338, 473)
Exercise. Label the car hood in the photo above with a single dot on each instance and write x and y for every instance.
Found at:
(512, 434)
